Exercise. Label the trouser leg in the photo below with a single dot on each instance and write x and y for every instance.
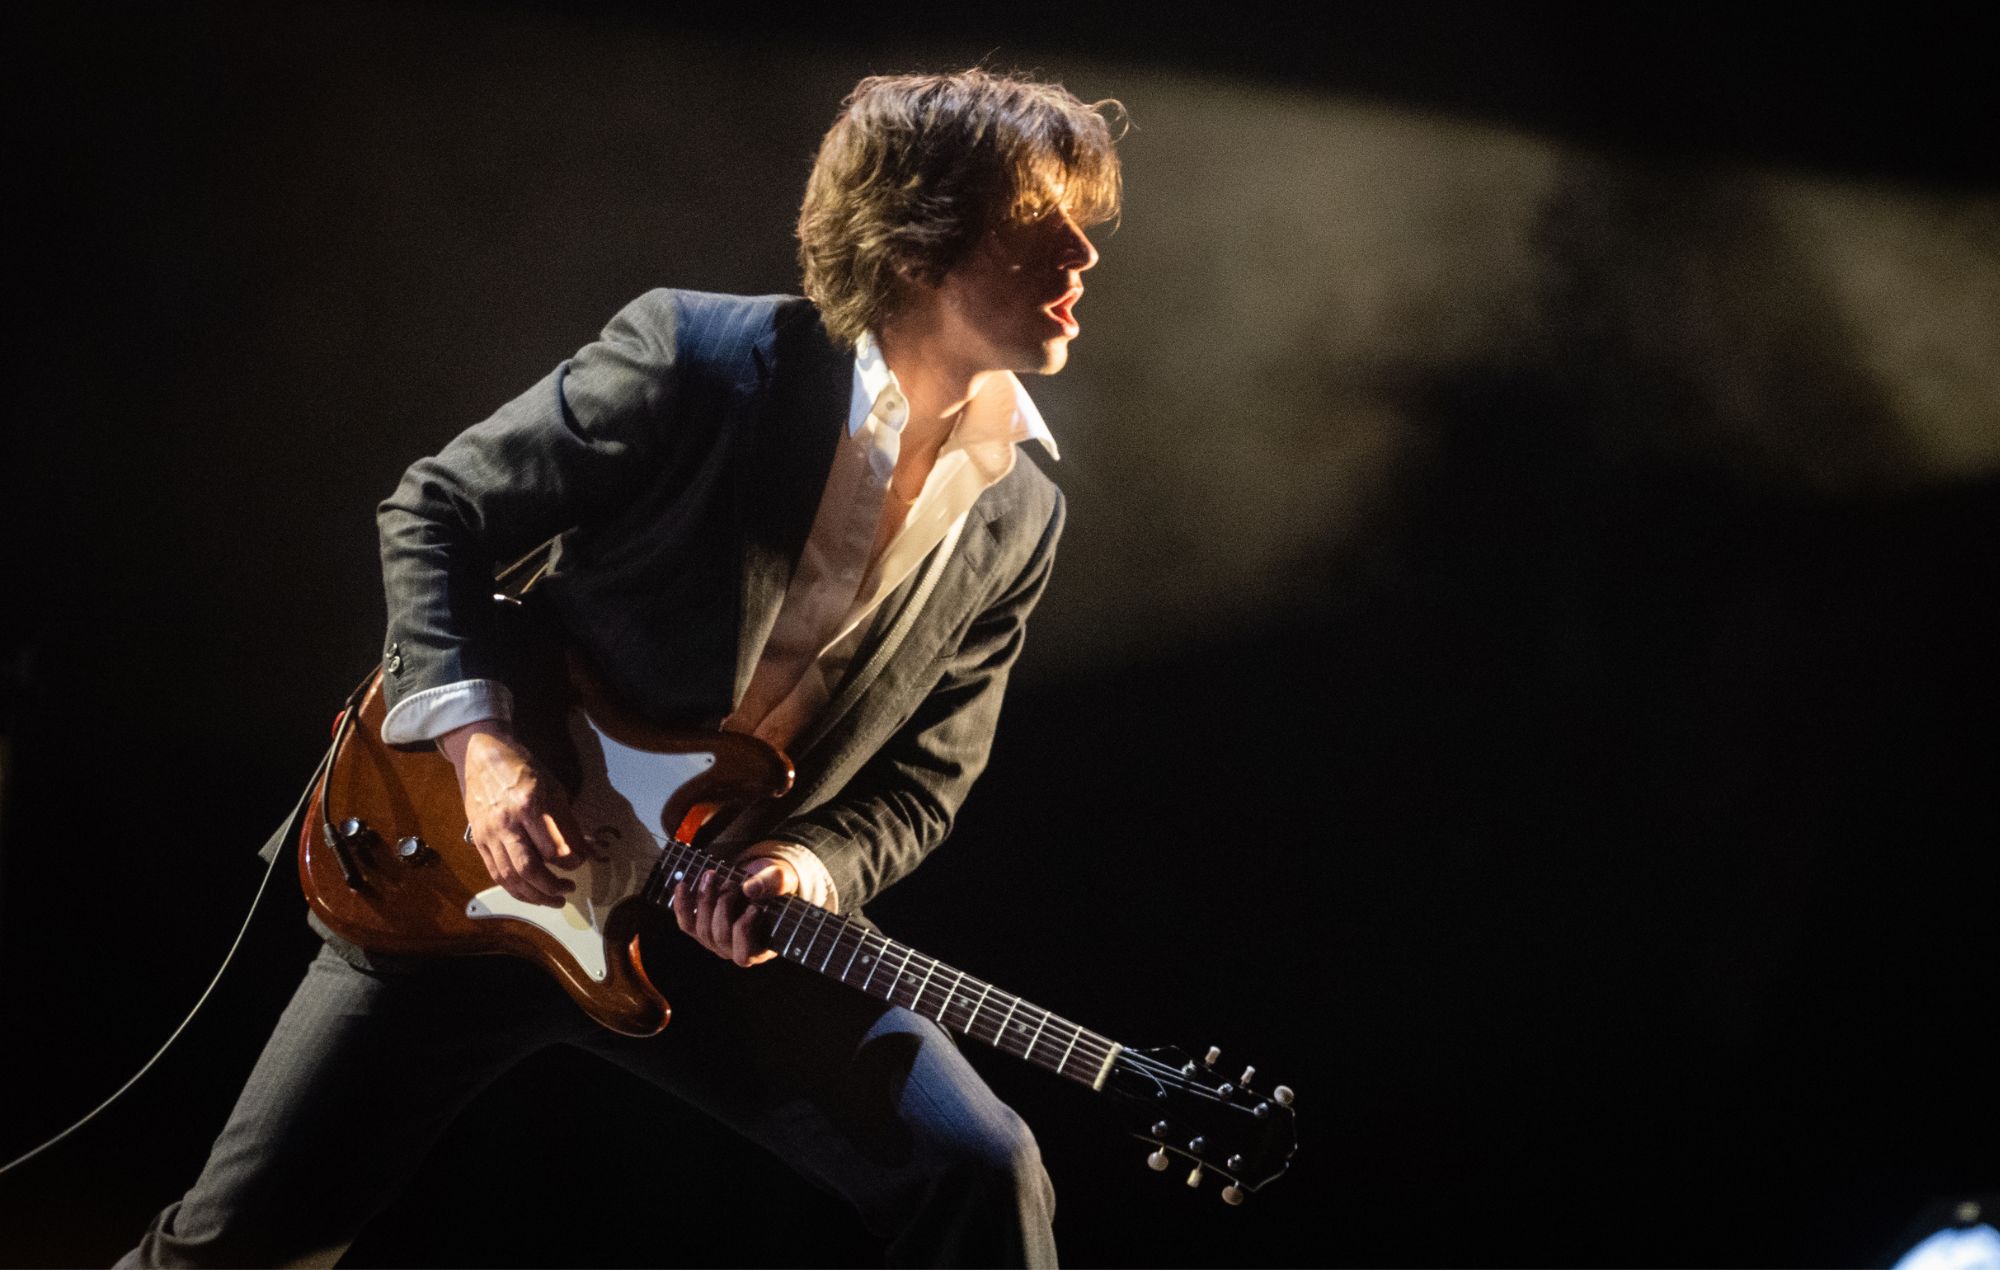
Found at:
(361, 1075)
(874, 1103)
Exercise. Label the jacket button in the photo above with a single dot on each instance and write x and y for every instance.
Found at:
(394, 661)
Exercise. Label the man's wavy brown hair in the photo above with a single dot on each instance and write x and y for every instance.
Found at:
(917, 167)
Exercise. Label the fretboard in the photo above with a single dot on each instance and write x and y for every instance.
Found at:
(843, 949)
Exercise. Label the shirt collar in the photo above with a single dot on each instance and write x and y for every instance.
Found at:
(1000, 411)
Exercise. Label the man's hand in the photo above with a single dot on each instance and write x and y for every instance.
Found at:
(722, 915)
(520, 818)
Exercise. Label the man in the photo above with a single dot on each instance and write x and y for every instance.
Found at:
(802, 519)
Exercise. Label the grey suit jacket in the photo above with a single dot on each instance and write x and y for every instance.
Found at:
(678, 463)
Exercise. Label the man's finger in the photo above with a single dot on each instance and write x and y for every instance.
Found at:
(684, 913)
(744, 942)
(486, 857)
(549, 845)
(543, 887)
(724, 900)
(565, 839)
(704, 912)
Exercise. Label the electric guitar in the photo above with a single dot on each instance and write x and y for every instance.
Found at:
(387, 865)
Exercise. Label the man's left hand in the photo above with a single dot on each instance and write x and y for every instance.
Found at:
(724, 916)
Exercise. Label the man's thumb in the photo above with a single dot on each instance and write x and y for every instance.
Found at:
(767, 881)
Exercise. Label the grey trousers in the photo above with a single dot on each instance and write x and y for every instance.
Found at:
(367, 1068)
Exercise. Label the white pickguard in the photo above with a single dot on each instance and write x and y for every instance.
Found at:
(617, 804)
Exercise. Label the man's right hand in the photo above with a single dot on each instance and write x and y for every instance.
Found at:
(519, 816)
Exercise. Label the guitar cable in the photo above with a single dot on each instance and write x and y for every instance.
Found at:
(348, 713)
(200, 1001)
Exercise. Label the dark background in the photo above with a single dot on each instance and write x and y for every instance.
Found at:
(1521, 670)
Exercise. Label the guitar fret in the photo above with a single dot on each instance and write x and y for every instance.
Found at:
(916, 1002)
(819, 926)
(1029, 1053)
(799, 920)
(800, 952)
(951, 994)
(1076, 1035)
(859, 944)
(1013, 1005)
(890, 995)
(874, 964)
(853, 938)
(977, 1006)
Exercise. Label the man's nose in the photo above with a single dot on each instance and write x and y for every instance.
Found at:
(1078, 253)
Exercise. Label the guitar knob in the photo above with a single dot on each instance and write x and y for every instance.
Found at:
(1194, 1178)
(353, 827)
(1232, 1195)
(1283, 1095)
(412, 851)
(1158, 1161)
(1214, 1054)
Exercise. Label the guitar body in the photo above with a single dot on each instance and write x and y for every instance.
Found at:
(411, 883)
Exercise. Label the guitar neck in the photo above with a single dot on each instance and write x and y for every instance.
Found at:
(843, 949)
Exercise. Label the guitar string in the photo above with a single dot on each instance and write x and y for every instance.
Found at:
(1094, 1048)
(1095, 1051)
(680, 860)
(850, 937)
(1091, 1047)
(1086, 1045)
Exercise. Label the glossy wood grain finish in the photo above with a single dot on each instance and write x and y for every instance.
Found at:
(419, 907)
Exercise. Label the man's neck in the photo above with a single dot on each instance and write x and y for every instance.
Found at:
(936, 387)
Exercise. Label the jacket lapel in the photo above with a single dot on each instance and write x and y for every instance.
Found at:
(903, 645)
(807, 382)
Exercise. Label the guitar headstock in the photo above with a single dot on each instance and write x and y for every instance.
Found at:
(1195, 1114)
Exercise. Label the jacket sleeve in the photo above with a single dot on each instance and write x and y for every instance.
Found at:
(901, 804)
(580, 439)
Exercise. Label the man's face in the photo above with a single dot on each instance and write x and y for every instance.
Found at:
(1009, 304)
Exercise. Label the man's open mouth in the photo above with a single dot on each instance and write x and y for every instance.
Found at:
(1061, 309)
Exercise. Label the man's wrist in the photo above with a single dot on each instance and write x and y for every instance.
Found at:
(453, 744)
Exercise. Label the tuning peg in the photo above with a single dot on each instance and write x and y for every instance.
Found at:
(1214, 1055)
(1248, 1073)
(1232, 1195)
(1160, 1128)
(1283, 1095)
(1194, 1177)
(1158, 1161)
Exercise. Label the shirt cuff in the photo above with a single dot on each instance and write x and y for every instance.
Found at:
(428, 715)
(815, 883)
